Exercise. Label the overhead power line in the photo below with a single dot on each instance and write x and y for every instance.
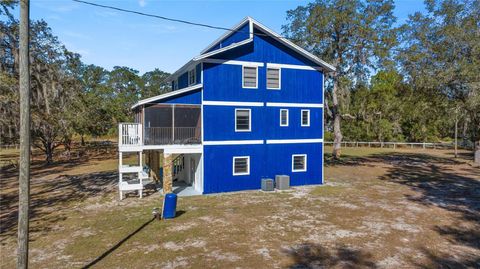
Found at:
(204, 24)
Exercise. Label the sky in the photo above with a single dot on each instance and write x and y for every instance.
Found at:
(111, 38)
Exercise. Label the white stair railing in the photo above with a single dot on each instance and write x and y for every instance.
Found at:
(130, 134)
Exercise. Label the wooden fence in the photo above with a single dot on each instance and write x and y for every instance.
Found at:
(394, 145)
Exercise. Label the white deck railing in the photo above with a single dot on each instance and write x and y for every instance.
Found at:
(130, 134)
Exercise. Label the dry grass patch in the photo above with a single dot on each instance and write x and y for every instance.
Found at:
(378, 209)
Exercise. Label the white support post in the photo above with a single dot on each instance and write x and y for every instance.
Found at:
(173, 123)
(140, 174)
(120, 156)
(120, 134)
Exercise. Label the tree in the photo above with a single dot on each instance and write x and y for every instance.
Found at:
(9, 71)
(154, 83)
(54, 88)
(53, 85)
(354, 36)
(93, 116)
(126, 89)
(442, 56)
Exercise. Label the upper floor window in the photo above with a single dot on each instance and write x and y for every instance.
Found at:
(299, 162)
(273, 78)
(283, 117)
(192, 77)
(242, 120)
(305, 117)
(250, 77)
(241, 165)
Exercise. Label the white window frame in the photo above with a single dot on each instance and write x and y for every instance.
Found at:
(248, 166)
(283, 125)
(293, 166)
(249, 120)
(194, 72)
(279, 78)
(243, 76)
(301, 117)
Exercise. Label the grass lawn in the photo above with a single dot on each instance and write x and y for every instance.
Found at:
(379, 208)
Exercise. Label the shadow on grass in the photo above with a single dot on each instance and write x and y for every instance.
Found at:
(443, 182)
(315, 256)
(117, 245)
(50, 197)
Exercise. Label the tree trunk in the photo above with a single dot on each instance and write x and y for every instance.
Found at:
(476, 158)
(336, 121)
(48, 152)
(83, 140)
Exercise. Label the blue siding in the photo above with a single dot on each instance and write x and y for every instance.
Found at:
(183, 80)
(294, 130)
(266, 161)
(297, 86)
(218, 168)
(219, 124)
(198, 71)
(223, 82)
(240, 35)
(192, 98)
(265, 49)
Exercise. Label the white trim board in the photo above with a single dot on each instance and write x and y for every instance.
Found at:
(290, 44)
(294, 105)
(294, 141)
(233, 62)
(253, 23)
(227, 103)
(293, 66)
(231, 46)
(233, 142)
(229, 33)
(167, 95)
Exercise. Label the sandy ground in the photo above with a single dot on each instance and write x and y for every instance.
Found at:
(378, 209)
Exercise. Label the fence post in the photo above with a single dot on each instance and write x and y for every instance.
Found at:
(423, 145)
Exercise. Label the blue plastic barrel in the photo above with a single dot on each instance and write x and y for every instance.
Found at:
(169, 206)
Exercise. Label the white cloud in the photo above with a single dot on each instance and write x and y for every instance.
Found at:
(142, 3)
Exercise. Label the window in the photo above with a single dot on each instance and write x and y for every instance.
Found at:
(249, 77)
(299, 163)
(273, 78)
(242, 120)
(192, 77)
(306, 117)
(241, 165)
(283, 117)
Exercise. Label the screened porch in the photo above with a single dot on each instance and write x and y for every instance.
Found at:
(172, 124)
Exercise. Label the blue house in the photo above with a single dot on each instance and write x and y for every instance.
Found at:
(250, 106)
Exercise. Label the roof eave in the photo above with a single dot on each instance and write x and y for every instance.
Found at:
(167, 95)
(226, 34)
(327, 67)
